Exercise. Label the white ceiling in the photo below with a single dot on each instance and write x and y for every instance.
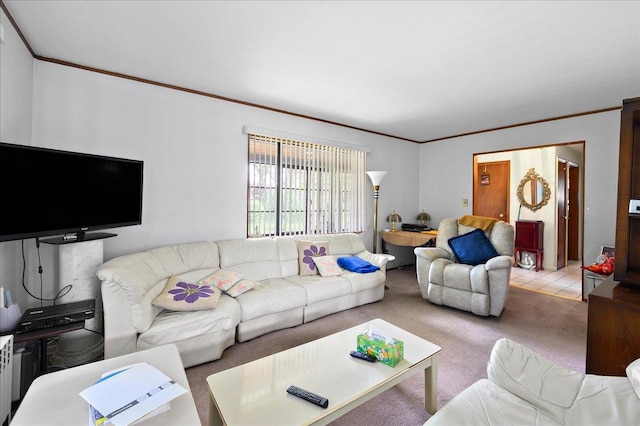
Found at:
(417, 70)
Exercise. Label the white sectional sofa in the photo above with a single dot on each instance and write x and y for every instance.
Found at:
(524, 388)
(282, 299)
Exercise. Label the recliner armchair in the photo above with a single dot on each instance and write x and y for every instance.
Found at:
(482, 288)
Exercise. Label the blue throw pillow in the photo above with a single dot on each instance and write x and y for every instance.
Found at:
(472, 248)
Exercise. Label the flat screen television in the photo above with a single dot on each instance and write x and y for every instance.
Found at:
(47, 192)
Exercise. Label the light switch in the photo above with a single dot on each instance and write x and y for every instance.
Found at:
(1, 33)
(465, 202)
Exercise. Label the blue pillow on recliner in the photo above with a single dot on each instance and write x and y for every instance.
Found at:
(472, 248)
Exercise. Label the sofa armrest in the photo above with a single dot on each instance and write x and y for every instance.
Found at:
(120, 336)
(499, 262)
(431, 253)
(548, 386)
(424, 257)
(379, 260)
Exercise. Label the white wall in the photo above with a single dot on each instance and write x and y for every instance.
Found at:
(194, 153)
(16, 87)
(447, 169)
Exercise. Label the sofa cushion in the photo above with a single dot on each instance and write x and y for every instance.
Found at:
(472, 248)
(223, 279)
(181, 295)
(327, 266)
(361, 282)
(320, 288)
(307, 250)
(269, 297)
(171, 327)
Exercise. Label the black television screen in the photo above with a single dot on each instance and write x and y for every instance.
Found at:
(48, 192)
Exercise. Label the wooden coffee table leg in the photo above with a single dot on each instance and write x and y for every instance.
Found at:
(430, 385)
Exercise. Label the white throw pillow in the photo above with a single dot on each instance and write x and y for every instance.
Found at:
(328, 266)
(222, 278)
(633, 373)
(241, 287)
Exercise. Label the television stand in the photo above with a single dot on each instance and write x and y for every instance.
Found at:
(78, 261)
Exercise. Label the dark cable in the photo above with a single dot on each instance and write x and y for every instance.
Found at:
(61, 293)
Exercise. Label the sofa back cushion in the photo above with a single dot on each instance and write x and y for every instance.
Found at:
(255, 258)
(142, 276)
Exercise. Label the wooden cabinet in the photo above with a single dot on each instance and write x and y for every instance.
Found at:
(530, 238)
(613, 328)
(627, 266)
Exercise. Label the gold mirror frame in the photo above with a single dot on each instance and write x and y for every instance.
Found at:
(533, 176)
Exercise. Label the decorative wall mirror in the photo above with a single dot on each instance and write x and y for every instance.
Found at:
(533, 191)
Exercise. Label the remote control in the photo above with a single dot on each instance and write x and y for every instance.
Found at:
(308, 396)
(366, 357)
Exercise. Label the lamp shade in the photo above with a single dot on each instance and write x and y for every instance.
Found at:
(376, 177)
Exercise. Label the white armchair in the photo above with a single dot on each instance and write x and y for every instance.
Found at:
(480, 288)
(525, 388)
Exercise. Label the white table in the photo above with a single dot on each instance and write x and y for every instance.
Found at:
(255, 393)
(53, 399)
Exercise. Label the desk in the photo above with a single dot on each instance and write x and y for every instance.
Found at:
(53, 399)
(406, 238)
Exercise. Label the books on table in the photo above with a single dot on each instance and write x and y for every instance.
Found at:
(129, 394)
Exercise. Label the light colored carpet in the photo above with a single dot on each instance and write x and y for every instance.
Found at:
(552, 326)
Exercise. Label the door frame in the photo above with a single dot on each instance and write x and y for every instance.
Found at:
(582, 146)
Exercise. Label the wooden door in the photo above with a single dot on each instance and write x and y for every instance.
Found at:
(491, 189)
(573, 230)
(561, 238)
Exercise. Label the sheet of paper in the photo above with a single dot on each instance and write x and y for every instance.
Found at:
(132, 393)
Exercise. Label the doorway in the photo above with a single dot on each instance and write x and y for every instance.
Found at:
(545, 160)
(568, 202)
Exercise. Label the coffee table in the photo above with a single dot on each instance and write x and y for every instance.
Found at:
(255, 393)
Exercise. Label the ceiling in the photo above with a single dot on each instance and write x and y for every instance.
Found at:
(415, 70)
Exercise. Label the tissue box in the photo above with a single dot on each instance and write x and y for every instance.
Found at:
(387, 353)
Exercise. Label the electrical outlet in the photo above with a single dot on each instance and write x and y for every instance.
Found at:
(465, 202)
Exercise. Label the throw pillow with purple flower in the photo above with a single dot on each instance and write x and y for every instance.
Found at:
(307, 250)
(180, 295)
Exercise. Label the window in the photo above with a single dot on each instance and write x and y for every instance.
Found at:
(304, 188)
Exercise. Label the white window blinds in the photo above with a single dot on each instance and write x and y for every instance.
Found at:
(304, 188)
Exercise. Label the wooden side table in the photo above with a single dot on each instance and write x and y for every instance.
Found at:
(530, 238)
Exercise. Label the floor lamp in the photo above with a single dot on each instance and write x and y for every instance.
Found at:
(376, 178)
